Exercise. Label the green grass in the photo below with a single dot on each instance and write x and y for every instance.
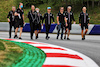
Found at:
(5, 7)
(11, 56)
(2, 46)
(24, 56)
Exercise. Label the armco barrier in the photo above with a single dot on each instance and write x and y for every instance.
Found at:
(76, 29)
(27, 28)
(95, 30)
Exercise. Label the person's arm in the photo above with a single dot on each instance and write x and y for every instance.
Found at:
(16, 14)
(43, 19)
(80, 19)
(65, 20)
(41, 16)
(23, 18)
(8, 17)
(73, 18)
(58, 20)
(88, 19)
(28, 15)
(53, 19)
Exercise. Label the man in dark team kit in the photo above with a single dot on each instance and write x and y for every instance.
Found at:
(32, 15)
(11, 20)
(19, 19)
(48, 16)
(84, 22)
(61, 19)
(38, 22)
(70, 17)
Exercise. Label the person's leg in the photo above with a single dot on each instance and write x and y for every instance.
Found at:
(82, 34)
(68, 34)
(62, 27)
(86, 31)
(62, 33)
(65, 33)
(21, 29)
(39, 30)
(10, 29)
(82, 28)
(32, 30)
(59, 27)
(16, 30)
(46, 30)
(36, 32)
(70, 27)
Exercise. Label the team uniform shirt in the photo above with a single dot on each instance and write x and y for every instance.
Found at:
(19, 19)
(61, 17)
(39, 21)
(20, 12)
(39, 18)
(84, 20)
(11, 15)
(48, 18)
(33, 17)
(12, 21)
(69, 17)
(84, 17)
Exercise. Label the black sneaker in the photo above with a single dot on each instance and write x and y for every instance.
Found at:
(68, 39)
(61, 38)
(84, 36)
(20, 38)
(48, 37)
(15, 36)
(57, 38)
(36, 37)
(83, 39)
(65, 37)
(31, 38)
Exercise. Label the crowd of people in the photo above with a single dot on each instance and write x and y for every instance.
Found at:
(64, 21)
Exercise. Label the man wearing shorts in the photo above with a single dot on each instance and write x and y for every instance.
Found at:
(84, 22)
(19, 20)
(69, 15)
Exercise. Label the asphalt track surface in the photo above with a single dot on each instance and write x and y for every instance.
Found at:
(90, 47)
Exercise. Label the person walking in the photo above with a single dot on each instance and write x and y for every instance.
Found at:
(84, 22)
(19, 20)
(47, 17)
(70, 16)
(61, 21)
(32, 15)
(11, 20)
